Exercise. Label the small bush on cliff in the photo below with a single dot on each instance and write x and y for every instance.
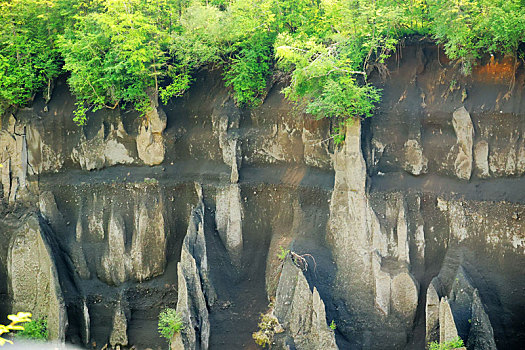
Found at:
(34, 330)
(453, 344)
(170, 323)
(268, 327)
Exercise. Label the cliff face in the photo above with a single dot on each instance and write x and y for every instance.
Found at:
(412, 230)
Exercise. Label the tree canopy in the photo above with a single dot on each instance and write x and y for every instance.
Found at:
(124, 53)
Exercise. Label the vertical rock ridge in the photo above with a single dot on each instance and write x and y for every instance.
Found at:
(191, 304)
(228, 219)
(14, 161)
(465, 137)
(301, 312)
(196, 291)
(33, 278)
(373, 276)
(195, 243)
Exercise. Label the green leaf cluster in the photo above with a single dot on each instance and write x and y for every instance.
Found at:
(450, 345)
(29, 58)
(470, 28)
(34, 330)
(170, 323)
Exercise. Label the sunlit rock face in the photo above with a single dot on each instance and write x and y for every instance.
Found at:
(410, 231)
(34, 283)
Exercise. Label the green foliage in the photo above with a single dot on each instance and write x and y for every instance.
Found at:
(126, 54)
(249, 70)
(283, 253)
(150, 181)
(28, 56)
(114, 57)
(333, 326)
(268, 327)
(470, 28)
(329, 65)
(170, 323)
(35, 330)
(453, 344)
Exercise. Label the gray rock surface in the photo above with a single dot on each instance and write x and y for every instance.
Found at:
(150, 142)
(481, 335)
(195, 243)
(386, 228)
(115, 264)
(33, 277)
(301, 312)
(352, 223)
(432, 312)
(176, 342)
(142, 258)
(13, 158)
(447, 326)
(405, 291)
(465, 138)
(102, 150)
(481, 158)
(461, 311)
(225, 126)
(228, 218)
(119, 335)
(196, 291)
(191, 304)
(42, 157)
(372, 259)
(148, 243)
(415, 161)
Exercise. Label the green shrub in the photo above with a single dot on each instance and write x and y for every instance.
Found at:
(35, 330)
(469, 29)
(453, 344)
(333, 326)
(170, 323)
(268, 327)
(248, 71)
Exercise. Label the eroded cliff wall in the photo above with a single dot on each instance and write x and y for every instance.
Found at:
(412, 230)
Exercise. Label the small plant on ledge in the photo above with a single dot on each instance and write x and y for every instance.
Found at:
(450, 345)
(283, 253)
(268, 327)
(170, 323)
(34, 330)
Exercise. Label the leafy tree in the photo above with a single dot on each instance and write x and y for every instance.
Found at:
(329, 66)
(29, 59)
(470, 28)
(249, 70)
(114, 58)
